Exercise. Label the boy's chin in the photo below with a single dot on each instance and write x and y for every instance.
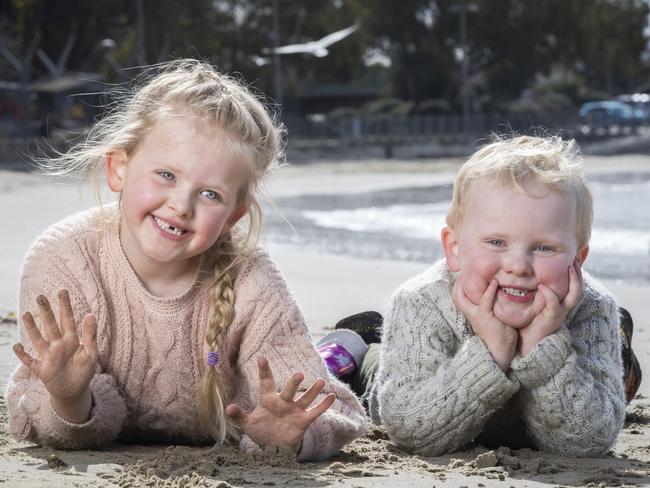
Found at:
(517, 319)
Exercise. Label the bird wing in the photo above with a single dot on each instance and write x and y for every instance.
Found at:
(307, 47)
(330, 39)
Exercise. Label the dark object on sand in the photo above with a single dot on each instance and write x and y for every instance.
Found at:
(631, 368)
(366, 324)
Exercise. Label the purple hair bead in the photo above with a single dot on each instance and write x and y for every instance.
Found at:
(213, 358)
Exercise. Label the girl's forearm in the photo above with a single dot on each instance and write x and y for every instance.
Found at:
(76, 411)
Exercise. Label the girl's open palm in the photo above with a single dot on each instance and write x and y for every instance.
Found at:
(278, 419)
(64, 363)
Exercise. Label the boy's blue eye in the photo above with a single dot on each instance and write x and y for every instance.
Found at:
(543, 248)
(495, 242)
(166, 175)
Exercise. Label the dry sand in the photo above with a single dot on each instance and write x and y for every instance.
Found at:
(328, 287)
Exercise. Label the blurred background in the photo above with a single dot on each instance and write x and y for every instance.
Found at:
(410, 78)
(404, 82)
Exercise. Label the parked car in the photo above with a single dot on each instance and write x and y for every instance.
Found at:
(607, 117)
(640, 102)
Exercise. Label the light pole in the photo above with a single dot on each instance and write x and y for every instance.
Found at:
(277, 64)
(139, 24)
(462, 10)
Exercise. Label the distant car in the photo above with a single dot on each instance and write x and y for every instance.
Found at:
(640, 102)
(608, 117)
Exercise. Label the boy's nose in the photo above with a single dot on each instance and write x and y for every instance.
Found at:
(517, 263)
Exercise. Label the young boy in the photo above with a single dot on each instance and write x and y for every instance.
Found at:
(506, 341)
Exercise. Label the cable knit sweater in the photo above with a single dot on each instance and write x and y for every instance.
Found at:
(152, 353)
(438, 388)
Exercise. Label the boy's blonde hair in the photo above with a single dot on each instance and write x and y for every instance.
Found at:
(553, 163)
(193, 88)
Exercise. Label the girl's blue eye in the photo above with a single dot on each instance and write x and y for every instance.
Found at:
(212, 195)
(166, 175)
(544, 248)
(495, 242)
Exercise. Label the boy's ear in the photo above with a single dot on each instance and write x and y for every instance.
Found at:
(116, 169)
(582, 254)
(449, 240)
(238, 212)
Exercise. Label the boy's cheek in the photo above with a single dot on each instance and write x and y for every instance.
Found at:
(473, 285)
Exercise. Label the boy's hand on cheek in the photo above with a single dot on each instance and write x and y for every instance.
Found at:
(500, 340)
(552, 312)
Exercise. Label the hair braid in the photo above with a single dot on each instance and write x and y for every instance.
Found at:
(222, 296)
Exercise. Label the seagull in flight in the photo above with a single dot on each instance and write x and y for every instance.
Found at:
(317, 48)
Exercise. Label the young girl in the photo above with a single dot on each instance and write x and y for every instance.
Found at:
(169, 317)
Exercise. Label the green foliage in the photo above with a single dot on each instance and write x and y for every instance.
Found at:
(562, 51)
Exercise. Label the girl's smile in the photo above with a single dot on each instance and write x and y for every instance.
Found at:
(169, 230)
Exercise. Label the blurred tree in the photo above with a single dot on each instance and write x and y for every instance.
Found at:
(512, 43)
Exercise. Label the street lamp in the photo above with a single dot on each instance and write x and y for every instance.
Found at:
(463, 54)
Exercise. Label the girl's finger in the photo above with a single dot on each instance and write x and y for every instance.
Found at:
(37, 340)
(310, 394)
(321, 407)
(50, 327)
(291, 387)
(24, 357)
(267, 382)
(236, 413)
(89, 335)
(66, 315)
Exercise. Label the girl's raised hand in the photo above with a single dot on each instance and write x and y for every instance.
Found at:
(278, 419)
(64, 364)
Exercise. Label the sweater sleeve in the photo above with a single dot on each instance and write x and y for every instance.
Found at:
(572, 397)
(31, 416)
(277, 330)
(435, 391)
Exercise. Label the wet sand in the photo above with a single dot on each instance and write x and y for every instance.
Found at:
(328, 288)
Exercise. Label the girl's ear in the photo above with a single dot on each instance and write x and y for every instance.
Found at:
(582, 254)
(449, 240)
(116, 169)
(238, 212)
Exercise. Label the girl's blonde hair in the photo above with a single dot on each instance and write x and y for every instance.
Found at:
(552, 162)
(192, 88)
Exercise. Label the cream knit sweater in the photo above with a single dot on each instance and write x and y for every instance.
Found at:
(152, 352)
(438, 388)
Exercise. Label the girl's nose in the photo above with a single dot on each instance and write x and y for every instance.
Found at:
(181, 203)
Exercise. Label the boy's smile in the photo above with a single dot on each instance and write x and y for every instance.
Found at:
(520, 240)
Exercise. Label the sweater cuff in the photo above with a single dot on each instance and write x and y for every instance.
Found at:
(107, 416)
(480, 374)
(544, 361)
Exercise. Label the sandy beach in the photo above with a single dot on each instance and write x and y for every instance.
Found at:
(328, 287)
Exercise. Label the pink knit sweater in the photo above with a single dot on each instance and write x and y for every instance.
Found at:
(152, 352)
